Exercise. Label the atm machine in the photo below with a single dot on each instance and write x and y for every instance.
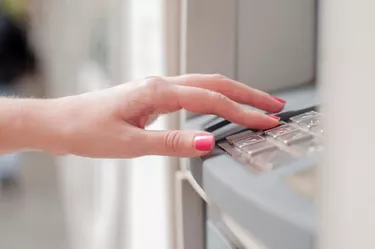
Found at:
(257, 189)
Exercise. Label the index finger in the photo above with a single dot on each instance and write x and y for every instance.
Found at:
(234, 90)
(209, 102)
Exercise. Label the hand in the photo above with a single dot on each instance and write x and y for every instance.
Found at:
(111, 123)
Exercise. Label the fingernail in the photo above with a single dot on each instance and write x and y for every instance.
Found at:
(279, 99)
(274, 117)
(204, 143)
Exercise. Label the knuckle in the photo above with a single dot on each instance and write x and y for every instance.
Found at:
(186, 78)
(172, 140)
(156, 83)
(217, 100)
(219, 77)
(210, 94)
(244, 118)
(218, 97)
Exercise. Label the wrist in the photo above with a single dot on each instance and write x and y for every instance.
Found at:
(32, 124)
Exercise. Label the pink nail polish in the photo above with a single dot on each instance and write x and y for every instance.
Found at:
(204, 143)
(274, 117)
(279, 99)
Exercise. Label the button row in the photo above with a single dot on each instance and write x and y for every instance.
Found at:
(274, 148)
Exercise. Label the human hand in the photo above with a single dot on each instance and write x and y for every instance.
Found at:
(111, 123)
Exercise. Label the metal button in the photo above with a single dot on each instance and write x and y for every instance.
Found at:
(308, 147)
(281, 130)
(272, 159)
(257, 148)
(309, 123)
(317, 129)
(239, 136)
(304, 116)
(249, 140)
(294, 137)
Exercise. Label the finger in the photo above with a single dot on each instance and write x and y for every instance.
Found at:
(203, 101)
(236, 91)
(178, 143)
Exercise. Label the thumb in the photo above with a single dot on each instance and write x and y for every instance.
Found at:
(179, 143)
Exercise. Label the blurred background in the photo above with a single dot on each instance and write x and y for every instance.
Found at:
(52, 48)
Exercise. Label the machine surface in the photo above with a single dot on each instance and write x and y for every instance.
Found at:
(264, 180)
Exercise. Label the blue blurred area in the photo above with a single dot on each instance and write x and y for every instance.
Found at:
(10, 163)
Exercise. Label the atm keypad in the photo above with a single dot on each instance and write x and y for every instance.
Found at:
(277, 147)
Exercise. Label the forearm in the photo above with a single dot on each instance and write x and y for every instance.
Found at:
(28, 124)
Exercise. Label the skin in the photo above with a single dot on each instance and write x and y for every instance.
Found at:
(111, 123)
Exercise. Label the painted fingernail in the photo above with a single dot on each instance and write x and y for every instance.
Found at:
(274, 117)
(279, 99)
(204, 143)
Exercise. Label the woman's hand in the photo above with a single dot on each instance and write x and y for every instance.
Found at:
(111, 123)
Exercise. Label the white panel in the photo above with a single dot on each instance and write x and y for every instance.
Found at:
(276, 42)
(149, 200)
(346, 63)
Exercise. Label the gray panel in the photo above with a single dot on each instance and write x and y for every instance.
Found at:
(210, 37)
(276, 42)
(215, 239)
(272, 212)
(213, 216)
(237, 192)
(192, 216)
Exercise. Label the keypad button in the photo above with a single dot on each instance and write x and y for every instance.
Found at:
(248, 141)
(309, 123)
(261, 151)
(257, 148)
(317, 129)
(299, 118)
(281, 130)
(239, 136)
(308, 147)
(294, 137)
(234, 152)
(272, 159)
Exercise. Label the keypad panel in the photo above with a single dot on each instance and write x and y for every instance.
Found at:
(271, 149)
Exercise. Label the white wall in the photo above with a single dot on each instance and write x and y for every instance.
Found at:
(154, 50)
(346, 57)
(90, 188)
(112, 203)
